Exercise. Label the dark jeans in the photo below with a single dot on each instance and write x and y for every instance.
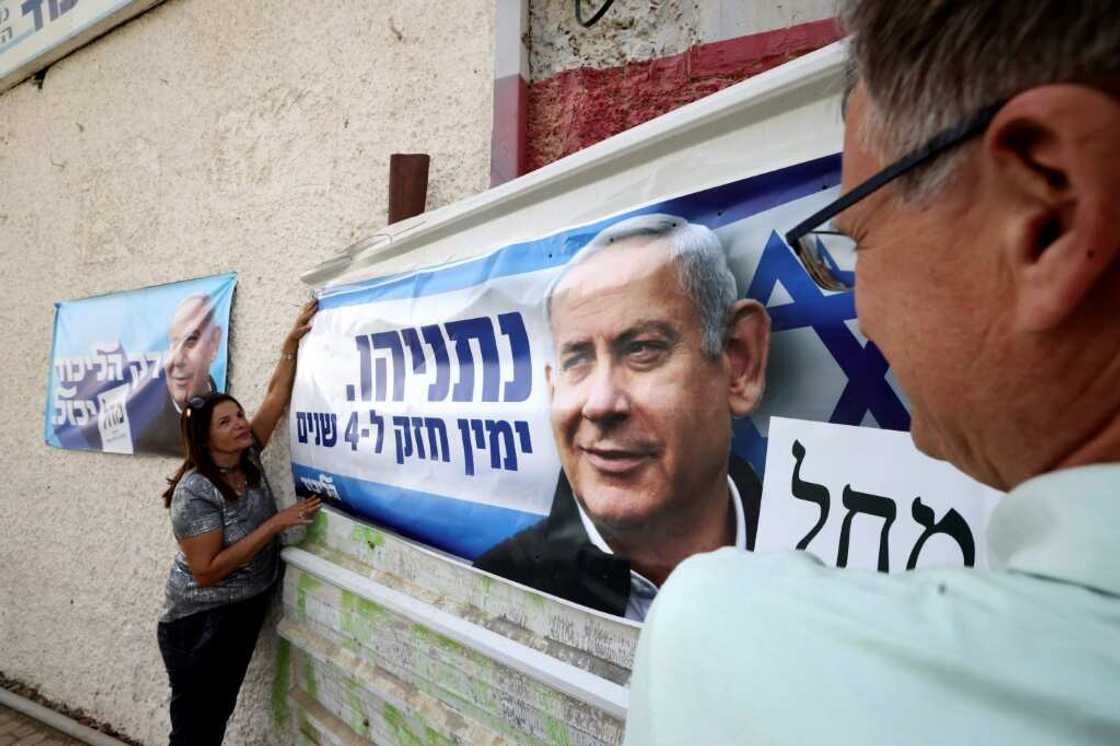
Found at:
(206, 655)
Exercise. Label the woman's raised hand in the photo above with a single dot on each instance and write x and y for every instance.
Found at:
(301, 327)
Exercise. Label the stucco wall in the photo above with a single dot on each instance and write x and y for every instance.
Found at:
(643, 59)
(638, 30)
(205, 136)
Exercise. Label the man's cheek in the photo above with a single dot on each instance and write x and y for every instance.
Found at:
(666, 396)
(565, 405)
(196, 361)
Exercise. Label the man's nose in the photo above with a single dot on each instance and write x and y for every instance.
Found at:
(175, 356)
(606, 395)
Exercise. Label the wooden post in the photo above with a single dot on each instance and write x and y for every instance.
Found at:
(408, 184)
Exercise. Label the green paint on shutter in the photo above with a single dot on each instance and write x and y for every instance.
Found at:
(371, 536)
(281, 683)
(309, 681)
(317, 531)
(307, 584)
(557, 732)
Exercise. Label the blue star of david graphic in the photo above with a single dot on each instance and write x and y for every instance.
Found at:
(866, 390)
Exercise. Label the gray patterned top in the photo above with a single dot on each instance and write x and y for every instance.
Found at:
(197, 506)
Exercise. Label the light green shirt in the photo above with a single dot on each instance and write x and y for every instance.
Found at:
(779, 649)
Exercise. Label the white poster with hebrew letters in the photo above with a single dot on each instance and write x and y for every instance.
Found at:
(866, 497)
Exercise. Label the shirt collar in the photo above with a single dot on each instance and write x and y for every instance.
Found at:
(1063, 525)
(737, 505)
(178, 409)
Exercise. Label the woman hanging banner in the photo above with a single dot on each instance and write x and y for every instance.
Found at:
(123, 365)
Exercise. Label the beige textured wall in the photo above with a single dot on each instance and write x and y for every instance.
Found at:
(205, 136)
(636, 30)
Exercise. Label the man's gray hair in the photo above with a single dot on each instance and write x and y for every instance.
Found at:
(205, 303)
(930, 64)
(700, 260)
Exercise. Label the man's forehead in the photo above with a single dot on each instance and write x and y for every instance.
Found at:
(189, 317)
(630, 294)
(616, 265)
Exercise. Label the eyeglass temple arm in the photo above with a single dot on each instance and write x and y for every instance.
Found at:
(937, 145)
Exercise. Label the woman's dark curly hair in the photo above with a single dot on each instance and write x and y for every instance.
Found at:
(194, 432)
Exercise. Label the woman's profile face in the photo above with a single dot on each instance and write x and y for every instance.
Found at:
(229, 430)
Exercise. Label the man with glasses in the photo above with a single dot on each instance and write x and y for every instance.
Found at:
(982, 188)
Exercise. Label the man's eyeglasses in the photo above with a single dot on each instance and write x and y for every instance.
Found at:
(829, 256)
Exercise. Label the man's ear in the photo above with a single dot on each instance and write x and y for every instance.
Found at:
(746, 351)
(1054, 154)
(548, 379)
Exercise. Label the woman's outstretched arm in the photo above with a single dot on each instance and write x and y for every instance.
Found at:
(280, 385)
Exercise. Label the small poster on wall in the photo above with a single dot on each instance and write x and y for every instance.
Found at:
(124, 365)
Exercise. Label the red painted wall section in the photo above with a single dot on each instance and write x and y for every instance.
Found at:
(507, 142)
(578, 108)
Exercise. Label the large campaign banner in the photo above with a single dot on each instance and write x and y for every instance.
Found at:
(452, 404)
(123, 365)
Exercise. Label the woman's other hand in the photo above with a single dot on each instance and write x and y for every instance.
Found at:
(210, 563)
(300, 514)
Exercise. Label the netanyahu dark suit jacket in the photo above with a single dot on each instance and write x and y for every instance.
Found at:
(556, 556)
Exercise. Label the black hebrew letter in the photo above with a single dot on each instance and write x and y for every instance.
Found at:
(863, 502)
(364, 375)
(951, 524)
(461, 333)
(439, 449)
(479, 438)
(379, 422)
(513, 326)
(434, 337)
(468, 452)
(502, 428)
(400, 430)
(522, 428)
(301, 427)
(36, 7)
(415, 349)
(328, 426)
(389, 341)
(417, 425)
(810, 492)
